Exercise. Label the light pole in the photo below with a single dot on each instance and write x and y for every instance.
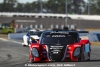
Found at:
(41, 6)
(88, 7)
(66, 19)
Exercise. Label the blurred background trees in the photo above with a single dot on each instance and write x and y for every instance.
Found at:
(52, 6)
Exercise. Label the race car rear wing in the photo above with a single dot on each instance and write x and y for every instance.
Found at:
(84, 34)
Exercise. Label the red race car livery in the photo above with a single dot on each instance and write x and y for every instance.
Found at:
(60, 46)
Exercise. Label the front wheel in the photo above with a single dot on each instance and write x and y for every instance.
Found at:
(32, 60)
(88, 56)
(89, 53)
(81, 56)
(23, 45)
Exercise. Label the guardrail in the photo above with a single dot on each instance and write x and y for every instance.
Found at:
(43, 15)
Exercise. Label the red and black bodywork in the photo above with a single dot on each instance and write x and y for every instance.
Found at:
(60, 46)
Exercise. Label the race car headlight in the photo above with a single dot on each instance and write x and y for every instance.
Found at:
(76, 51)
(35, 52)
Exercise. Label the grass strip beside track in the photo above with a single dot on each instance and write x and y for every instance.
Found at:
(92, 29)
(95, 43)
(4, 36)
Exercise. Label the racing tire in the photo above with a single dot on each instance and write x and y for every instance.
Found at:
(81, 56)
(89, 56)
(23, 45)
(28, 43)
(31, 60)
(89, 53)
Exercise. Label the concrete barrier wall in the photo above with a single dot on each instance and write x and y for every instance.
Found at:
(16, 35)
(37, 15)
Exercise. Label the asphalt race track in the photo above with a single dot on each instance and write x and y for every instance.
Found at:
(15, 55)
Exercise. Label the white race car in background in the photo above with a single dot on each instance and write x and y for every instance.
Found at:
(33, 34)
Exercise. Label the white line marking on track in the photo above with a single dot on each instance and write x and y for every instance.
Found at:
(10, 41)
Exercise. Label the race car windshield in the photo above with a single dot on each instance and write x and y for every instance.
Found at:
(61, 39)
(35, 33)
